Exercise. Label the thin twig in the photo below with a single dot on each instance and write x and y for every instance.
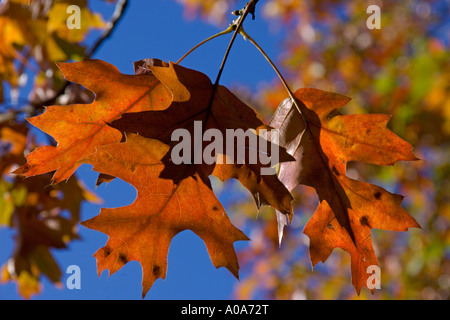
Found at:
(226, 31)
(286, 86)
(112, 23)
(249, 8)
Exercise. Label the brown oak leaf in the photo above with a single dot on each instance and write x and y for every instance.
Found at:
(197, 115)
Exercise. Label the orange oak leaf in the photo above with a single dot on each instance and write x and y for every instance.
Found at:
(79, 128)
(348, 209)
(143, 230)
(226, 112)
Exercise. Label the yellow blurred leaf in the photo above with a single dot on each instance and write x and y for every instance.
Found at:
(57, 21)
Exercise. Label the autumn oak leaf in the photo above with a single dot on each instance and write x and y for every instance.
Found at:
(143, 230)
(79, 128)
(348, 209)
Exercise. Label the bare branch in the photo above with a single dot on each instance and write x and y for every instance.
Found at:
(112, 23)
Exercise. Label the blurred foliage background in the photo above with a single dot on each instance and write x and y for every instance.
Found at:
(401, 69)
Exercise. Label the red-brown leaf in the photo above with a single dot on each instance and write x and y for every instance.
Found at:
(348, 208)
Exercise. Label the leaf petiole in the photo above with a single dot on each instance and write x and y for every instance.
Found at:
(230, 29)
(286, 86)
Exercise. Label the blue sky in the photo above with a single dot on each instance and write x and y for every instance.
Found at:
(158, 29)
